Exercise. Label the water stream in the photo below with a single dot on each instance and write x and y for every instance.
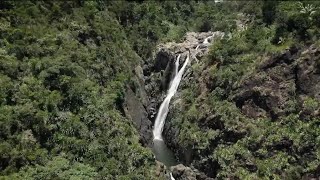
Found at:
(161, 151)
(164, 108)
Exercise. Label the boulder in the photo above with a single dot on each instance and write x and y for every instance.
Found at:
(181, 172)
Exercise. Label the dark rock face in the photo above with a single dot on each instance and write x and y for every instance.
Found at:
(168, 72)
(162, 59)
(143, 98)
(278, 82)
(134, 106)
(160, 74)
(135, 111)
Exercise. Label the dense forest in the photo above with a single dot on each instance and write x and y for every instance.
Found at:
(65, 67)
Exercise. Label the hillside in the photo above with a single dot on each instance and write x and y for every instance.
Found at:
(82, 82)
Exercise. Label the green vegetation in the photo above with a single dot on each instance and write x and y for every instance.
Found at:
(62, 72)
(64, 67)
(221, 135)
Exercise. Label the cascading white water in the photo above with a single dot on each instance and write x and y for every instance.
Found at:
(176, 70)
(161, 151)
(164, 108)
(206, 40)
(177, 66)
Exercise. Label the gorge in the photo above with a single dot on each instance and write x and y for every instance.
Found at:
(159, 90)
(193, 42)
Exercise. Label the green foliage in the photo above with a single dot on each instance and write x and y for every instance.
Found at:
(269, 11)
(311, 104)
(222, 138)
(63, 69)
(57, 168)
(294, 19)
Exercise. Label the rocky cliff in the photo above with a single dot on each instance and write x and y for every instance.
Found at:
(277, 96)
(157, 74)
(278, 82)
(209, 113)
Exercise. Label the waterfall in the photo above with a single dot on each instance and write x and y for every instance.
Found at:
(164, 108)
(161, 151)
(177, 66)
(176, 69)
